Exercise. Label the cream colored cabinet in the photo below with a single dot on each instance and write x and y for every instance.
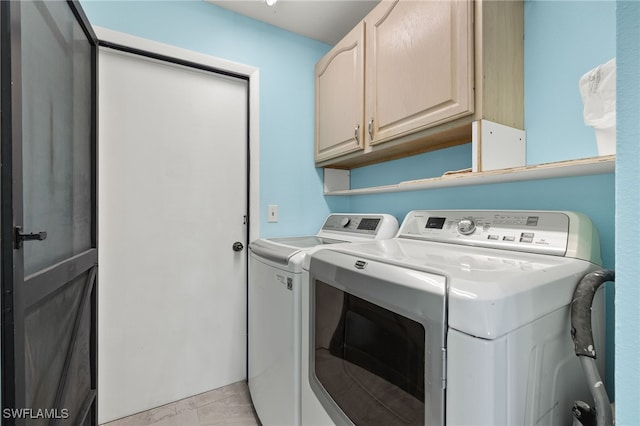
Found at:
(419, 66)
(340, 97)
(432, 68)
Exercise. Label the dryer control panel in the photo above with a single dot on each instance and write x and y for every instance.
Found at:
(558, 233)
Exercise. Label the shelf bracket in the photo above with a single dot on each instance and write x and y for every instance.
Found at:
(496, 146)
(336, 180)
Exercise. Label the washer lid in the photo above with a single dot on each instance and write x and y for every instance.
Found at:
(490, 291)
(305, 242)
(281, 250)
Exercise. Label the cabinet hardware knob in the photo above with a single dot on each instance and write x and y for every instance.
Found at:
(370, 128)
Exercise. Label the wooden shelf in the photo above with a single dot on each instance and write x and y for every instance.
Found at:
(581, 167)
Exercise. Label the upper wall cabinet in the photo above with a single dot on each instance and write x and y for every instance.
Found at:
(419, 66)
(340, 97)
(431, 68)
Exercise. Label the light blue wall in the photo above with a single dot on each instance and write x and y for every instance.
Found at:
(575, 193)
(563, 40)
(628, 215)
(286, 63)
(289, 179)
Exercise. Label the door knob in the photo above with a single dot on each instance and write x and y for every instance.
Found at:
(237, 246)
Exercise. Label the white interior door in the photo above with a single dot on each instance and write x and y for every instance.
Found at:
(173, 200)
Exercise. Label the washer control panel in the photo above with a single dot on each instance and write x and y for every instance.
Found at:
(545, 232)
(361, 224)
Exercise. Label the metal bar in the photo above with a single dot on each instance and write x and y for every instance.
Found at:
(94, 349)
(93, 41)
(171, 59)
(6, 214)
(13, 361)
(92, 400)
(82, 19)
(94, 141)
(43, 283)
(93, 343)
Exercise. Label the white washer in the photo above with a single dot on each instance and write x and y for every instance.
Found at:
(275, 268)
(462, 319)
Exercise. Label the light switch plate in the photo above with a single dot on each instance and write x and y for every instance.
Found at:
(272, 213)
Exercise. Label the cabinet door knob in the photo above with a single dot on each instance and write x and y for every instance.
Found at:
(356, 134)
(370, 127)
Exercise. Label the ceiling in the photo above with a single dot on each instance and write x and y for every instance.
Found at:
(324, 20)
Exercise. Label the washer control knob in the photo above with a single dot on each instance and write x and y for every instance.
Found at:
(466, 226)
(345, 221)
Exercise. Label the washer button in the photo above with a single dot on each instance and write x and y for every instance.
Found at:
(526, 237)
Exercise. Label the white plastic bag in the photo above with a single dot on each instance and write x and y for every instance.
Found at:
(598, 91)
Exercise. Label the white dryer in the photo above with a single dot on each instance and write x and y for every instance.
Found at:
(462, 319)
(275, 268)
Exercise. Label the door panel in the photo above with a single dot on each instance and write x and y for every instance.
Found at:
(49, 281)
(173, 200)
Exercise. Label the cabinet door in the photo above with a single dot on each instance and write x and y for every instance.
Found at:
(340, 97)
(419, 66)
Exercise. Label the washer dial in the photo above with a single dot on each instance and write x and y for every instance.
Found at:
(466, 226)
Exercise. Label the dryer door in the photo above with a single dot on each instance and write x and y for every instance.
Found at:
(376, 341)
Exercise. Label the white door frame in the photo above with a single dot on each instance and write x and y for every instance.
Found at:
(252, 73)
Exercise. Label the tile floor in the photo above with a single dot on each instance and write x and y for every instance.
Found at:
(229, 405)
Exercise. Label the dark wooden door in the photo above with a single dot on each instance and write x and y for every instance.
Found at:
(48, 214)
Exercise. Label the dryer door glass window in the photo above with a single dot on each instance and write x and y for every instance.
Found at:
(370, 360)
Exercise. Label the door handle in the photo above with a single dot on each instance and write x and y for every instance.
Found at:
(237, 246)
(21, 237)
